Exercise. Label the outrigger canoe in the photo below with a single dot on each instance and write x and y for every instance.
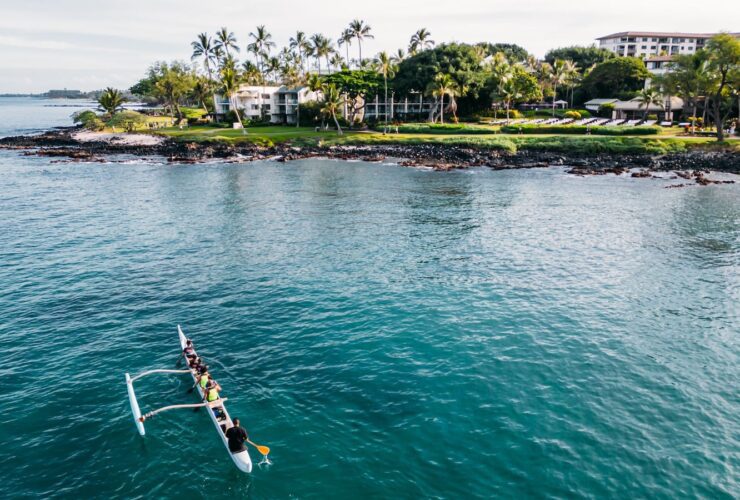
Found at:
(222, 423)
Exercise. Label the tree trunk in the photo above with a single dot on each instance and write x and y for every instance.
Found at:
(554, 96)
(359, 45)
(385, 81)
(507, 112)
(718, 116)
(442, 109)
(693, 120)
(336, 122)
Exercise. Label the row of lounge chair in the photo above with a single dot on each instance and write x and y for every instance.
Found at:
(593, 122)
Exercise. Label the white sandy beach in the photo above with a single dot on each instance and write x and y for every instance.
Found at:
(122, 138)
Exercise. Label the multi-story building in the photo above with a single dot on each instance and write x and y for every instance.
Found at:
(644, 44)
(279, 104)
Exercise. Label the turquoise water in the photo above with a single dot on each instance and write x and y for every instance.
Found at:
(388, 332)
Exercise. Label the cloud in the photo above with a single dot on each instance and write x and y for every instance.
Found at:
(32, 43)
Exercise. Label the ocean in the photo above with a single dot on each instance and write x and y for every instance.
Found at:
(388, 332)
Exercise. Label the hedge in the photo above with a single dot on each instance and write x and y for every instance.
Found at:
(578, 130)
(438, 128)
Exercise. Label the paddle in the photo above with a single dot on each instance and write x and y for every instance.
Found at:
(262, 449)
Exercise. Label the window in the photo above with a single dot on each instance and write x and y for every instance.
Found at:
(652, 47)
(255, 107)
(265, 96)
(644, 47)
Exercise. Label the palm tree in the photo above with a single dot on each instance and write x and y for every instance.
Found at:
(572, 76)
(649, 97)
(226, 40)
(399, 56)
(332, 104)
(203, 47)
(201, 91)
(110, 101)
(230, 84)
(251, 74)
(386, 67)
(322, 47)
(360, 30)
(336, 61)
(442, 85)
(346, 39)
(557, 76)
(261, 44)
(300, 43)
(420, 41)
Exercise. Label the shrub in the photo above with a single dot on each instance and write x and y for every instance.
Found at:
(88, 119)
(652, 117)
(575, 115)
(439, 128)
(128, 120)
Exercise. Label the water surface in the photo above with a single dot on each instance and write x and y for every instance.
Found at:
(388, 332)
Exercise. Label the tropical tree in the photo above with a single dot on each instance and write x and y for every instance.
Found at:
(260, 45)
(386, 66)
(346, 39)
(356, 85)
(557, 75)
(203, 47)
(571, 78)
(442, 85)
(174, 82)
(649, 97)
(688, 78)
(226, 40)
(420, 40)
(584, 57)
(615, 77)
(230, 85)
(321, 47)
(723, 52)
(332, 104)
(361, 31)
(110, 101)
(202, 91)
(301, 44)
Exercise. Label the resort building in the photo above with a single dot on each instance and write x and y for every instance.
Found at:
(411, 106)
(279, 104)
(635, 109)
(644, 44)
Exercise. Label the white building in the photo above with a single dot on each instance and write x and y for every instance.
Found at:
(279, 104)
(644, 44)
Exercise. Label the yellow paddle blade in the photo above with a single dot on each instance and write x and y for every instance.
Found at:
(263, 449)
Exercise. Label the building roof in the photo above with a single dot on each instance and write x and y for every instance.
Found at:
(600, 101)
(636, 105)
(662, 34)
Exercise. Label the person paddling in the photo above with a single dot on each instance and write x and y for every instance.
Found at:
(237, 436)
(211, 391)
(204, 378)
(189, 351)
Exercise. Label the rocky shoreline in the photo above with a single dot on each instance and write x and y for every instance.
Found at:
(61, 143)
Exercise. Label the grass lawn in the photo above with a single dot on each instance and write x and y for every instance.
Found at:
(271, 135)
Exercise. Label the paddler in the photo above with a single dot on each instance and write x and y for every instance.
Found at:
(204, 377)
(211, 391)
(237, 436)
(189, 351)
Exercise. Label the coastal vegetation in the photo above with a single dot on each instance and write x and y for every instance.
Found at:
(461, 84)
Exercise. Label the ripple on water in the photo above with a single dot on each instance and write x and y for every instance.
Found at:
(463, 334)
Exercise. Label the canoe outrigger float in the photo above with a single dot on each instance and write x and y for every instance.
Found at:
(223, 422)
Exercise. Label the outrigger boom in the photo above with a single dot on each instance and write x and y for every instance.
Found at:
(222, 422)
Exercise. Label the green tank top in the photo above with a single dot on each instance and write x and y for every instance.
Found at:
(203, 381)
(212, 395)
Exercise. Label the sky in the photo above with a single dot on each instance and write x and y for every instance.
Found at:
(91, 44)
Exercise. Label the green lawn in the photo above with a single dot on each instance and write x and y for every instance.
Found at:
(271, 135)
(266, 136)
